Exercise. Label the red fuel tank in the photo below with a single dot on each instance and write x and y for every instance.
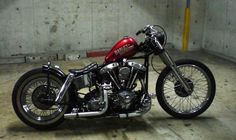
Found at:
(125, 48)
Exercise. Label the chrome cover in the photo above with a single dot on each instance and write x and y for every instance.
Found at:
(136, 65)
(109, 67)
(124, 73)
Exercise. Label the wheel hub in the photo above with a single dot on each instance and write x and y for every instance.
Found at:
(179, 89)
(42, 99)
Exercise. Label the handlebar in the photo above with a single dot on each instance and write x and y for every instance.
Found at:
(144, 30)
(152, 33)
(148, 30)
(139, 32)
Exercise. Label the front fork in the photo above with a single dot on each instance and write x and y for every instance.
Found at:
(165, 57)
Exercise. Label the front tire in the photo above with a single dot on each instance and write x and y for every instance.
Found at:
(172, 96)
(30, 100)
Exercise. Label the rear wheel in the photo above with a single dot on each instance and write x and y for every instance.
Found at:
(32, 102)
(175, 100)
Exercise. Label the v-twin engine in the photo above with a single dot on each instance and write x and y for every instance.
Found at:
(123, 76)
(118, 92)
(127, 73)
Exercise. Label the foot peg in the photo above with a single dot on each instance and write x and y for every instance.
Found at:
(152, 95)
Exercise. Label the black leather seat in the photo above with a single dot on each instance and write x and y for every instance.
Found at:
(84, 70)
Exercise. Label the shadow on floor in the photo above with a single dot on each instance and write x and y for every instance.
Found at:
(103, 126)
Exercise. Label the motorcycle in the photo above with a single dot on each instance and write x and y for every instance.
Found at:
(43, 97)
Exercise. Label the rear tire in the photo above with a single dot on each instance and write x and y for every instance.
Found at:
(177, 92)
(25, 100)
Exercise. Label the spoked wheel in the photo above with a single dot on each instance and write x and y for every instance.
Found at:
(33, 100)
(175, 100)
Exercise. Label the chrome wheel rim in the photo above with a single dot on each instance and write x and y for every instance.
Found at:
(31, 110)
(200, 83)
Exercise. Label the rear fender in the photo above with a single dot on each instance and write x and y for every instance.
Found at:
(54, 70)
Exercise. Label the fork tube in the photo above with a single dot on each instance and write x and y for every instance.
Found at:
(165, 57)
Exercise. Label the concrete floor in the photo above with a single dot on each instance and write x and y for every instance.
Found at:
(218, 122)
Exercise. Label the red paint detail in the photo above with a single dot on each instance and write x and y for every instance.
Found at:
(97, 53)
(125, 48)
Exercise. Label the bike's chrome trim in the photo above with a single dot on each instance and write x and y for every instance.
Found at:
(129, 115)
(134, 114)
(64, 87)
(136, 65)
(109, 67)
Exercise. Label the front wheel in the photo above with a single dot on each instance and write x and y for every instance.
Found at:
(175, 100)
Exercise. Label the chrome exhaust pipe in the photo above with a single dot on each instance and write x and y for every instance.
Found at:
(134, 114)
(129, 115)
(92, 113)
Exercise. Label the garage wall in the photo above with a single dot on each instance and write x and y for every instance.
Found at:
(48, 26)
(220, 28)
(58, 26)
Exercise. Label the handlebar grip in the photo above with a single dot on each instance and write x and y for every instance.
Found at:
(139, 32)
